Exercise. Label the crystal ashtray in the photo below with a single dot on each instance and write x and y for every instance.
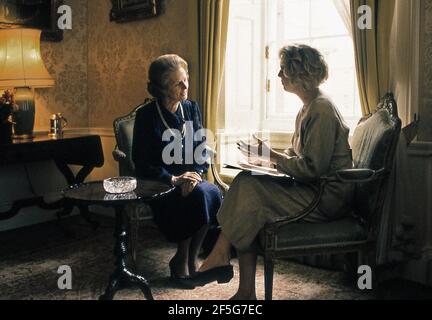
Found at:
(120, 196)
(120, 184)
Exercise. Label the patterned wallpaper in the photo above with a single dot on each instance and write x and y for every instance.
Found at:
(66, 61)
(425, 107)
(100, 67)
(119, 56)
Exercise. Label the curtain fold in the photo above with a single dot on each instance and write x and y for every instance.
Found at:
(396, 236)
(395, 239)
(344, 10)
(395, 242)
(213, 31)
(213, 26)
(372, 54)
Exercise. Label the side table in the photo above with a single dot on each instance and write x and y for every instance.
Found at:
(92, 193)
(69, 149)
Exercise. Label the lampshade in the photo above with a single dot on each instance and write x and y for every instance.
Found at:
(21, 64)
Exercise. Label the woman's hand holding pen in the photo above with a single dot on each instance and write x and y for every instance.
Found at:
(261, 149)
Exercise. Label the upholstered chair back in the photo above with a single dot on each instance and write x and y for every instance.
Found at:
(123, 130)
(373, 146)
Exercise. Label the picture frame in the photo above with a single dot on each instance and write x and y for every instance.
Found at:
(38, 14)
(132, 10)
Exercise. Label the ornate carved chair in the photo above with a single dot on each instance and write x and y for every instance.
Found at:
(373, 145)
(123, 130)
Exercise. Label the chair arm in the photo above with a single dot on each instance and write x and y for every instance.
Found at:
(346, 175)
(212, 156)
(359, 175)
(118, 155)
(272, 227)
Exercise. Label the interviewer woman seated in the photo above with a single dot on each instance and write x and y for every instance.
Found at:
(184, 216)
(319, 147)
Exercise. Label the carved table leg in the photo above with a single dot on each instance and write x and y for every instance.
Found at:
(85, 213)
(123, 277)
(72, 180)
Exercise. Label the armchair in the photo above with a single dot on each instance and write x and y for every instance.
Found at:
(373, 145)
(123, 130)
(122, 153)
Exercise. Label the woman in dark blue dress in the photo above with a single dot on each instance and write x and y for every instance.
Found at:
(168, 145)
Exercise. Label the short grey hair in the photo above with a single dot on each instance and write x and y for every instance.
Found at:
(304, 66)
(159, 71)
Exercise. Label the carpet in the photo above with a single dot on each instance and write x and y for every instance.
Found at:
(31, 257)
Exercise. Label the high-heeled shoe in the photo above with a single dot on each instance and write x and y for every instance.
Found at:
(222, 274)
(182, 282)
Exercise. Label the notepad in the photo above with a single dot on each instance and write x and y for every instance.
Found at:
(246, 166)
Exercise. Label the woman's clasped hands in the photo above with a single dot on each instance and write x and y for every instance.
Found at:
(187, 182)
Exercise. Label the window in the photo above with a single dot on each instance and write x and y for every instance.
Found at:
(254, 97)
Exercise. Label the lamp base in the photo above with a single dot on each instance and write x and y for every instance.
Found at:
(55, 135)
(24, 115)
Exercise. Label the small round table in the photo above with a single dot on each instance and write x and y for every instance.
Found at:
(92, 193)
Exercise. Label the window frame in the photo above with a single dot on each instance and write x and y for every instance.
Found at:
(284, 122)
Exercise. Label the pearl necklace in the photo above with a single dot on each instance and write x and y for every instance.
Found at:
(166, 124)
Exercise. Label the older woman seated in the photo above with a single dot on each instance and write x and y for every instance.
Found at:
(319, 148)
(169, 125)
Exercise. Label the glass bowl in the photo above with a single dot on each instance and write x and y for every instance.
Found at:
(120, 184)
(120, 196)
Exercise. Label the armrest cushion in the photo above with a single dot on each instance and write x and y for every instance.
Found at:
(211, 160)
(118, 155)
(358, 175)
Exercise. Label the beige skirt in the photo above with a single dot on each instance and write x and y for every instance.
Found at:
(254, 200)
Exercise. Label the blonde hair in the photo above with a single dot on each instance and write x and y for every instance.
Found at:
(304, 66)
(159, 71)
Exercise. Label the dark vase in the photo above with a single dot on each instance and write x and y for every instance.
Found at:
(24, 114)
(5, 132)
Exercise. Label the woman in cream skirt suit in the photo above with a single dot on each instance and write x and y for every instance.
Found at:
(319, 148)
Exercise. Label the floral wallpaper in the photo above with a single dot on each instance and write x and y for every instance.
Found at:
(100, 67)
(66, 61)
(425, 101)
(119, 56)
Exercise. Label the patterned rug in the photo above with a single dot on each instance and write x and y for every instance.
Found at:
(31, 257)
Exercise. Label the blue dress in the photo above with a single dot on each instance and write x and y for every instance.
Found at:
(177, 217)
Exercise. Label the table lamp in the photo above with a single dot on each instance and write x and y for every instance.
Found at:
(22, 67)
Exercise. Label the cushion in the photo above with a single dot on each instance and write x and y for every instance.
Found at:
(125, 139)
(371, 140)
(307, 233)
(370, 144)
(124, 130)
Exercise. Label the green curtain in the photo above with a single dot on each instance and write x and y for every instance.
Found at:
(209, 26)
(372, 51)
(213, 31)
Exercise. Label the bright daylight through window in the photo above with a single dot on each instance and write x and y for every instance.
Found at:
(254, 96)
